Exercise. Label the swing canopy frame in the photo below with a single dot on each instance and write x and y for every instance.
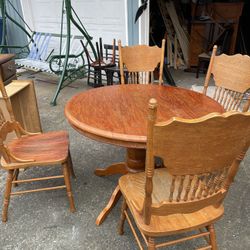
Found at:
(38, 55)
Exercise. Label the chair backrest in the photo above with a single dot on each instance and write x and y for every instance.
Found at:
(7, 127)
(232, 80)
(6, 99)
(106, 60)
(111, 54)
(201, 155)
(39, 46)
(140, 62)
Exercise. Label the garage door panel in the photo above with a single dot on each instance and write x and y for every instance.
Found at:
(101, 18)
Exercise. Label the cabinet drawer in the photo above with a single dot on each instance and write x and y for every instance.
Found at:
(8, 69)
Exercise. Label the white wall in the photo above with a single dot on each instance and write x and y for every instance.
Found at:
(144, 25)
(101, 18)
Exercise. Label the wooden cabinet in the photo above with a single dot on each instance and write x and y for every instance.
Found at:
(23, 100)
(7, 68)
(221, 13)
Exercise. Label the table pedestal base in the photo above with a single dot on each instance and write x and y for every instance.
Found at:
(116, 168)
(112, 202)
(135, 162)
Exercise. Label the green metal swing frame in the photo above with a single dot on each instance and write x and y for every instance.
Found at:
(67, 74)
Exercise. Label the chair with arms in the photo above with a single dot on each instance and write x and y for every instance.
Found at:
(202, 157)
(140, 61)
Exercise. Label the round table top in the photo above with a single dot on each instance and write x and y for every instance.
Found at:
(118, 114)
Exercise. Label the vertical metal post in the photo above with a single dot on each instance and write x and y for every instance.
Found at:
(68, 17)
(3, 10)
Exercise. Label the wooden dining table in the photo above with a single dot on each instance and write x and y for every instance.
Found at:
(117, 115)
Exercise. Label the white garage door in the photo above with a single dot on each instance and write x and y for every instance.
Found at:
(101, 18)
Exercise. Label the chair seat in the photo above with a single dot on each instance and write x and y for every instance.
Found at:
(132, 187)
(45, 148)
(34, 64)
(103, 65)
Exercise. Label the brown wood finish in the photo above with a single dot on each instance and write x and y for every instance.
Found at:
(6, 58)
(18, 99)
(116, 194)
(95, 67)
(44, 149)
(7, 68)
(7, 102)
(232, 80)
(32, 150)
(140, 62)
(117, 115)
(221, 13)
(188, 194)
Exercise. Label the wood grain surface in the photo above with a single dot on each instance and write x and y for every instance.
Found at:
(140, 62)
(118, 114)
(232, 80)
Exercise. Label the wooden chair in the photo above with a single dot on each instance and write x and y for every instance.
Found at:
(97, 67)
(32, 150)
(111, 55)
(202, 157)
(140, 61)
(232, 80)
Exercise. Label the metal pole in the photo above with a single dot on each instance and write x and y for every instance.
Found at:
(3, 10)
(85, 35)
(68, 15)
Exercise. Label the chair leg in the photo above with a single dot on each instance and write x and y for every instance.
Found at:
(99, 75)
(95, 78)
(122, 217)
(68, 186)
(88, 82)
(212, 237)
(70, 164)
(7, 195)
(198, 69)
(151, 243)
(108, 76)
(15, 177)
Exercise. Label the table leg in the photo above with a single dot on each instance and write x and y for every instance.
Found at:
(112, 202)
(135, 162)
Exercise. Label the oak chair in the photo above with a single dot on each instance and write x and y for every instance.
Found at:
(232, 80)
(202, 157)
(140, 61)
(31, 150)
